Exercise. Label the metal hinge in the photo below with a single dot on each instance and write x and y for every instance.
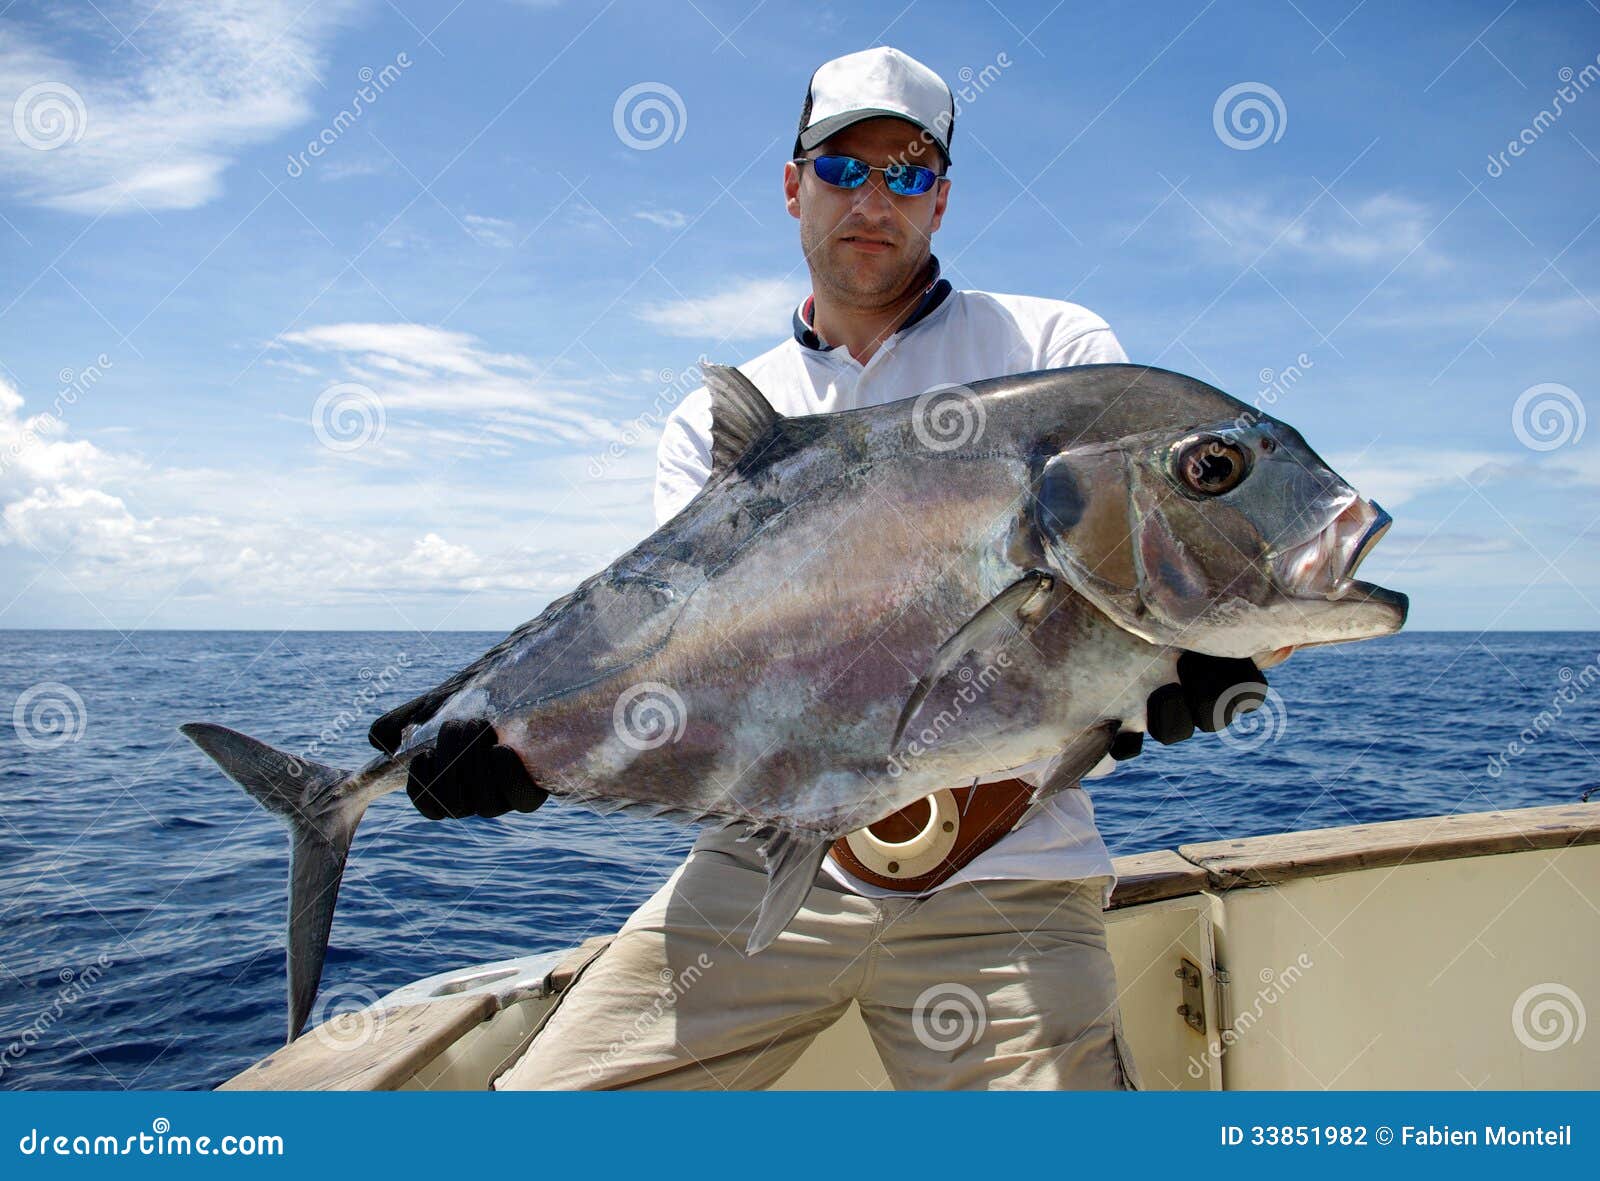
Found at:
(1193, 1008)
(1224, 999)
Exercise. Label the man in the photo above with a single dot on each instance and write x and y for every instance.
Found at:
(981, 961)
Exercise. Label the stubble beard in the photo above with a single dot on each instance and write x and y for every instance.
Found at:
(863, 286)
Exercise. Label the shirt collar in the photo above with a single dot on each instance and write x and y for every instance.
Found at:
(932, 296)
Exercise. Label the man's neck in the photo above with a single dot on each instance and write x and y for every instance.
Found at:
(863, 329)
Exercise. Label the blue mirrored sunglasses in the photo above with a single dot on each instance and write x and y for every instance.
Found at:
(846, 172)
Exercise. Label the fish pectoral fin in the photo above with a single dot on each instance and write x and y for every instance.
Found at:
(1004, 616)
(740, 414)
(1075, 760)
(792, 860)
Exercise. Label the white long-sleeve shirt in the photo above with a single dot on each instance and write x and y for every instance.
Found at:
(951, 337)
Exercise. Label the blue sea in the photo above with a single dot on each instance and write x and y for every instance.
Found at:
(142, 895)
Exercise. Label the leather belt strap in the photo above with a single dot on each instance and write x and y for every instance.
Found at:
(958, 823)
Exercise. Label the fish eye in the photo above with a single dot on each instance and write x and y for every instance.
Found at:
(1210, 465)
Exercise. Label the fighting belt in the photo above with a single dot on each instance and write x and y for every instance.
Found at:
(928, 842)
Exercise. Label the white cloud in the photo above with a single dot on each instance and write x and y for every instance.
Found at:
(1457, 544)
(161, 120)
(435, 370)
(491, 489)
(585, 215)
(750, 309)
(348, 166)
(1395, 475)
(294, 367)
(491, 231)
(1380, 229)
(398, 237)
(35, 451)
(1531, 314)
(117, 539)
(667, 219)
(432, 348)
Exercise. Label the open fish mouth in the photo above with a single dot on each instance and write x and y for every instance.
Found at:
(1325, 566)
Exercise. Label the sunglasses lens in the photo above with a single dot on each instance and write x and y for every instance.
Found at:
(844, 172)
(909, 180)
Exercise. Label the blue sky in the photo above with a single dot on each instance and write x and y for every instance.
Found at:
(196, 312)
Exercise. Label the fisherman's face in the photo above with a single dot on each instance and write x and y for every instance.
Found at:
(867, 244)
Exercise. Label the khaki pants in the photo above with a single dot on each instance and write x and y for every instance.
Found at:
(1002, 985)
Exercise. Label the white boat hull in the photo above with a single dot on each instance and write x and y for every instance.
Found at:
(1455, 952)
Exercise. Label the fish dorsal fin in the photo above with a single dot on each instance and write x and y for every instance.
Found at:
(740, 414)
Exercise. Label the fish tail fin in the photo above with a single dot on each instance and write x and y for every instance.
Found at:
(321, 827)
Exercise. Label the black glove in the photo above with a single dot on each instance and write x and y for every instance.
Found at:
(1211, 692)
(467, 774)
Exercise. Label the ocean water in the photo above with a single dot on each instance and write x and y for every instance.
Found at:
(142, 895)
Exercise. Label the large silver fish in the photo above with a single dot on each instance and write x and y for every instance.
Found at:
(861, 608)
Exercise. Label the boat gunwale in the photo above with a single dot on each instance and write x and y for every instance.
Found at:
(1245, 862)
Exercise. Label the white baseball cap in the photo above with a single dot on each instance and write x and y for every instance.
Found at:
(869, 85)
